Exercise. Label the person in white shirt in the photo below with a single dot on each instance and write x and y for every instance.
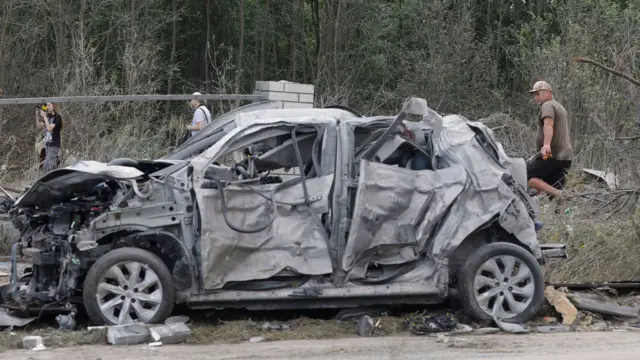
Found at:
(201, 115)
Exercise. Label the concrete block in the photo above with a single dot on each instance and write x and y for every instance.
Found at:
(170, 334)
(269, 86)
(282, 96)
(130, 334)
(305, 98)
(296, 105)
(299, 88)
(31, 342)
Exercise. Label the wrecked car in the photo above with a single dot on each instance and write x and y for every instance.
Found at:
(271, 208)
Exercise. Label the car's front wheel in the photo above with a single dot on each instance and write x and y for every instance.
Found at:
(502, 279)
(128, 285)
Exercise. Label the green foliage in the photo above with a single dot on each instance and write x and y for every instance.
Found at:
(471, 57)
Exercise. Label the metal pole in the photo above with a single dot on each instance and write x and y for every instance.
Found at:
(95, 99)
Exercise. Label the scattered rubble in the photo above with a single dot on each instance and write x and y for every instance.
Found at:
(130, 334)
(8, 320)
(170, 334)
(433, 324)
(32, 343)
(583, 302)
(553, 329)
(66, 322)
(275, 326)
(510, 327)
(365, 326)
(486, 331)
(257, 339)
(347, 314)
(561, 304)
(177, 319)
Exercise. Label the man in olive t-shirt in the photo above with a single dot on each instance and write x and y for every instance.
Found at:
(548, 170)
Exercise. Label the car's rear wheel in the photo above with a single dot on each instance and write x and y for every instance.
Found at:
(128, 285)
(502, 279)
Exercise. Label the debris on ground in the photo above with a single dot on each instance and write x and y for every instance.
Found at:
(8, 320)
(486, 331)
(433, 324)
(66, 322)
(347, 314)
(257, 339)
(130, 334)
(607, 177)
(562, 305)
(584, 302)
(461, 329)
(365, 326)
(553, 328)
(177, 319)
(269, 326)
(32, 343)
(510, 327)
(170, 334)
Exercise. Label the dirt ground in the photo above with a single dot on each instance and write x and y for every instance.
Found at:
(583, 346)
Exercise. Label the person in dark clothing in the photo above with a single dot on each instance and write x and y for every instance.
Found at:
(52, 124)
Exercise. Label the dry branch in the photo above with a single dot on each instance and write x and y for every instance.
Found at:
(606, 68)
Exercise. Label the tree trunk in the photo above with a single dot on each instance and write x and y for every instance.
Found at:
(6, 8)
(265, 26)
(240, 48)
(292, 41)
(336, 37)
(206, 44)
(174, 35)
(303, 36)
(316, 23)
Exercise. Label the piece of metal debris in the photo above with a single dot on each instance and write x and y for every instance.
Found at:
(275, 326)
(553, 329)
(561, 304)
(347, 314)
(486, 331)
(510, 327)
(608, 177)
(461, 329)
(177, 319)
(433, 324)
(256, 339)
(66, 322)
(365, 326)
(608, 308)
(32, 342)
(8, 320)
(130, 334)
(170, 334)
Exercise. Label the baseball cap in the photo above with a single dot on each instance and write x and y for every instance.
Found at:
(540, 85)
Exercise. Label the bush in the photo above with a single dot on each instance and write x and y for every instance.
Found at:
(7, 236)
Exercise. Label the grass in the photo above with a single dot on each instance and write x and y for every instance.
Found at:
(211, 331)
(601, 229)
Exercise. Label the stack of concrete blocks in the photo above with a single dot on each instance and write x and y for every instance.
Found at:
(293, 95)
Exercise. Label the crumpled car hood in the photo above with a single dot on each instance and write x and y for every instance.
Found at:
(82, 176)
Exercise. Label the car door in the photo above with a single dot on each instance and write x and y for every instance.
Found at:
(257, 228)
(395, 211)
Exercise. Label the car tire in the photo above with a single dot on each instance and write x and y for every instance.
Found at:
(481, 285)
(110, 284)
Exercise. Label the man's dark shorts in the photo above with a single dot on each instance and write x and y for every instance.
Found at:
(551, 171)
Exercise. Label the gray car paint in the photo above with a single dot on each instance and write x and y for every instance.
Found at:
(423, 216)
